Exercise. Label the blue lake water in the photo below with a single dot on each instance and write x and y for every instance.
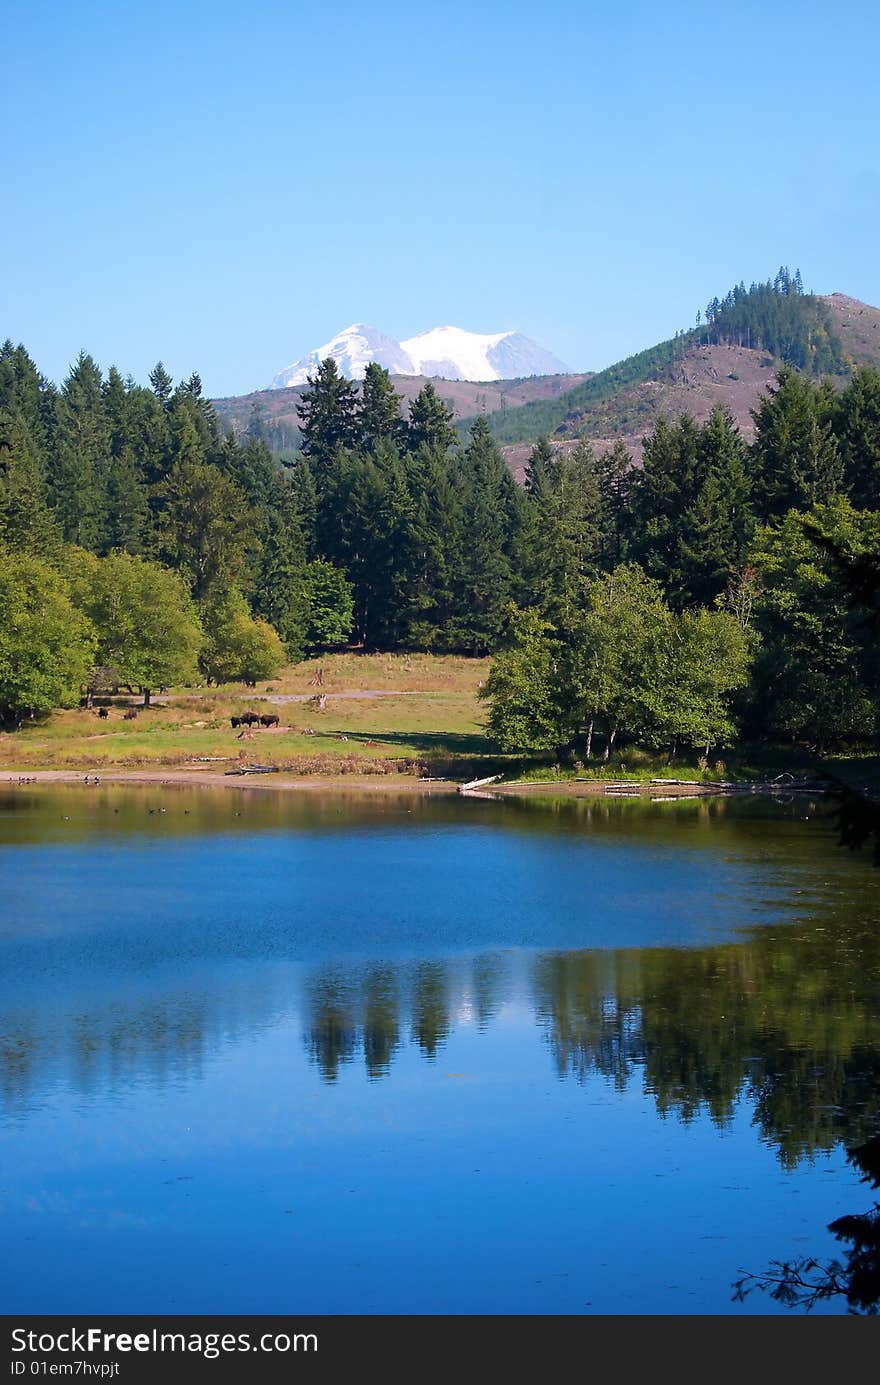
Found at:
(327, 1053)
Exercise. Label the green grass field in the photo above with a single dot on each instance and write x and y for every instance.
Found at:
(427, 710)
(384, 713)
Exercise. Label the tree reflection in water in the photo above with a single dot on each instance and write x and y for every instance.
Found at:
(806, 1282)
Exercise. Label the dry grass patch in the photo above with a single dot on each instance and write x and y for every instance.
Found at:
(436, 715)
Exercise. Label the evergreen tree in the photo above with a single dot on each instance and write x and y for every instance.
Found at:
(161, 383)
(378, 416)
(580, 503)
(206, 528)
(484, 582)
(143, 428)
(430, 422)
(616, 479)
(857, 428)
(24, 396)
(539, 548)
(127, 508)
(280, 592)
(79, 466)
(437, 537)
(671, 475)
(816, 677)
(717, 525)
(795, 459)
(305, 497)
(559, 540)
(251, 467)
(328, 415)
(27, 525)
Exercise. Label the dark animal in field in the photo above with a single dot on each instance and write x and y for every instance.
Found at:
(269, 721)
(235, 722)
(131, 715)
(250, 719)
(103, 713)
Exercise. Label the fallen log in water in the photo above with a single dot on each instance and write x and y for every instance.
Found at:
(478, 783)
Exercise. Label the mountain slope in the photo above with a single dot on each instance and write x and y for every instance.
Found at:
(694, 372)
(721, 363)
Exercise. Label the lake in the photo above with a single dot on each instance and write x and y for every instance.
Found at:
(328, 1053)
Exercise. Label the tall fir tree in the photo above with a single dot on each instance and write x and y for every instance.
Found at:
(857, 428)
(328, 416)
(280, 592)
(616, 479)
(379, 419)
(717, 526)
(27, 525)
(795, 459)
(431, 421)
(492, 518)
(671, 475)
(127, 508)
(81, 456)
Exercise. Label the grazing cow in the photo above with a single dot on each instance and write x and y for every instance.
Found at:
(131, 715)
(250, 719)
(235, 722)
(269, 721)
(103, 713)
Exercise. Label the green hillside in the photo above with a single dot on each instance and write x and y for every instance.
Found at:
(776, 317)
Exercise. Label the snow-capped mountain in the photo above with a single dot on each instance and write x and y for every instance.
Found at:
(352, 350)
(449, 352)
(455, 354)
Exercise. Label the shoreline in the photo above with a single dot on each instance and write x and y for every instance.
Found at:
(208, 779)
(383, 783)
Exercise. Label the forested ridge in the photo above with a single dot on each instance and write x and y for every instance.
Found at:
(777, 317)
(700, 596)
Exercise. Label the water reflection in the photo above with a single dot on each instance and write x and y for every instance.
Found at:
(788, 1019)
(270, 995)
(805, 1282)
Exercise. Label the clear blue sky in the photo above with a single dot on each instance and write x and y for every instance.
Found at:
(226, 185)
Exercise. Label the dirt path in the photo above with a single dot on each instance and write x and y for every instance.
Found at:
(303, 697)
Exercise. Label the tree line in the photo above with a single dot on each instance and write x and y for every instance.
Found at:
(706, 590)
(670, 602)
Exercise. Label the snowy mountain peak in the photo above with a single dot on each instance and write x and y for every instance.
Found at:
(449, 352)
(352, 350)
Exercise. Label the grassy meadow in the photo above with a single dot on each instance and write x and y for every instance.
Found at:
(412, 714)
(425, 711)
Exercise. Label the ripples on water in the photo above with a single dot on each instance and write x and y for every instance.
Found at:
(325, 1053)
